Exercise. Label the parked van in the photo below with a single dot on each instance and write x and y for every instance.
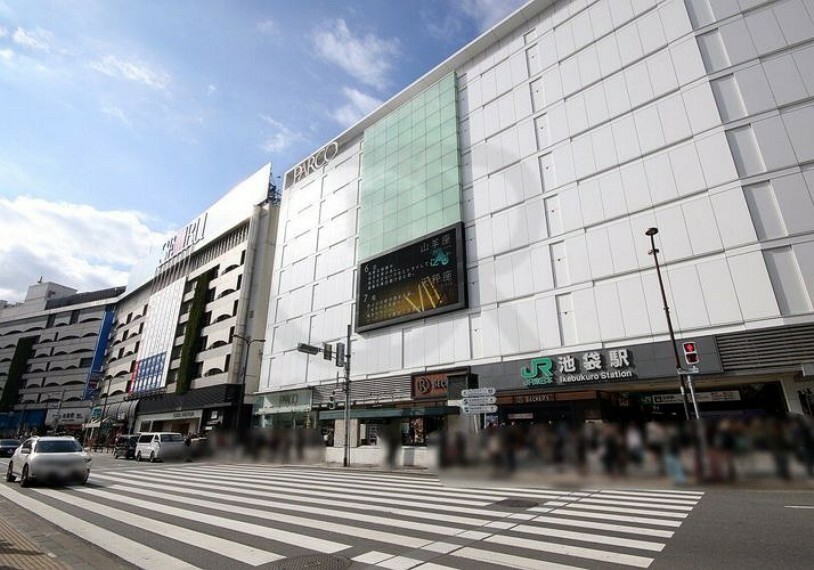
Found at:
(158, 446)
(125, 446)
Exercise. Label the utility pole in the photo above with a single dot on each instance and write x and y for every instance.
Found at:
(343, 355)
(346, 459)
(247, 341)
(59, 412)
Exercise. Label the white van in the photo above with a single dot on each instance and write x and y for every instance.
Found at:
(157, 446)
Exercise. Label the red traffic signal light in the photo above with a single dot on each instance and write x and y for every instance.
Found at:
(691, 353)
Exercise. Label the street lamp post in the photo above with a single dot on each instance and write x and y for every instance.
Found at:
(651, 232)
(247, 341)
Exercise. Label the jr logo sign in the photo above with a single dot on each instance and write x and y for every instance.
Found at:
(538, 373)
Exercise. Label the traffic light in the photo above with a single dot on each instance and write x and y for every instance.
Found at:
(327, 351)
(332, 402)
(691, 353)
(340, 354)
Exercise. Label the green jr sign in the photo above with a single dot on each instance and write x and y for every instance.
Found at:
(538, 373)
(615, 364)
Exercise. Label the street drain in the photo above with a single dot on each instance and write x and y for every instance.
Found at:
(516, 503)
(312, 562)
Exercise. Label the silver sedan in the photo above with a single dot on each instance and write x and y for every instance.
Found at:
(49, 459)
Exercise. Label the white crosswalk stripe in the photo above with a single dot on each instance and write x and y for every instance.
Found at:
(247, 555)
(250, 515)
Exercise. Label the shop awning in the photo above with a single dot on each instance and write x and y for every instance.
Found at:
(121, 412)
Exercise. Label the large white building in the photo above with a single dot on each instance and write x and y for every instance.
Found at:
(187, 333)
(51, 345)
(550, 145)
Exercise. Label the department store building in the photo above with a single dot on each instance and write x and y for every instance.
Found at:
(486, 227)
(184, 349)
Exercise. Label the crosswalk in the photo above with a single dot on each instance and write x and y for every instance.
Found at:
(259, 516)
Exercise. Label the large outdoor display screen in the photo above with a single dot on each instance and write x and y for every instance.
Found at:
(421, 278)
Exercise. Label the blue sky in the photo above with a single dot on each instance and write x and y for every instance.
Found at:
(120, 121)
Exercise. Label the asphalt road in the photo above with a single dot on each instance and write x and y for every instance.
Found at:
(218, 515)
(745, 530)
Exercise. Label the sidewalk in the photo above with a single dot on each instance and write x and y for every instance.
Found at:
(18, 552)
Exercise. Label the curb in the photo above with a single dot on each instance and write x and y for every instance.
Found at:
(17, 551)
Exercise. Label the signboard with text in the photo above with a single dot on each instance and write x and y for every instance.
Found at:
(434, 385)
(422, 278)
(478, 401)
(701, 397)
(581, 368)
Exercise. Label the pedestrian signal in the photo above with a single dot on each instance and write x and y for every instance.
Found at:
(691, 353)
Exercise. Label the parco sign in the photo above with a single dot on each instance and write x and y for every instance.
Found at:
(315, 161)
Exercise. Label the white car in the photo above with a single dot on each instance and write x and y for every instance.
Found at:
(49, 459)
(158, 446)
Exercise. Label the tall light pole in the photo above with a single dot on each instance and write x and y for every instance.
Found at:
(651, 232)
(247, 341)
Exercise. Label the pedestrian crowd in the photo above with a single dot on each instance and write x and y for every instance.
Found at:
(713, 450)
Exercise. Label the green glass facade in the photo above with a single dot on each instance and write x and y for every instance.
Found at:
(411, 183)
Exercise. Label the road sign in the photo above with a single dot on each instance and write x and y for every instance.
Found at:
(482, 401)
(307, 348)
(471, 410)
(476, 392)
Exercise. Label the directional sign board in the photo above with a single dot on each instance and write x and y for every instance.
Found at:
(471, 410)
(481, 401)
(477, 392)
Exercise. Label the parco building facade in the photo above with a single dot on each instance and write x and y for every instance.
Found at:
(486, 226)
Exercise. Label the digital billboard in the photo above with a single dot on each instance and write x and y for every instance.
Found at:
(419, 279)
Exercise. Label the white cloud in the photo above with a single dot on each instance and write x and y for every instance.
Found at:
(367, 58)
(38, 39)
(281, 137)
(358, 106)
(444, 28)
(210, 89)
(3, 32)
(116, 113)
(487, 13)
(6, 54)
(73, 244)
(268, 27)
(133, 70)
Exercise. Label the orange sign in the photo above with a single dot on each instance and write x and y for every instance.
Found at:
(427, 386)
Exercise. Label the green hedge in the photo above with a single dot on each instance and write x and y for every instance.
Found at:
(192, 336)
(15, 372)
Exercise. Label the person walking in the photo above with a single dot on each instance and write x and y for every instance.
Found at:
(672, 456)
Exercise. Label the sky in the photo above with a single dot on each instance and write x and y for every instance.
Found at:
(120, 121)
